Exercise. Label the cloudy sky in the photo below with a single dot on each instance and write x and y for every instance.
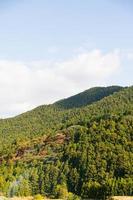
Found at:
(51, 49)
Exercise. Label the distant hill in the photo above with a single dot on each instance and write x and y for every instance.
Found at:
(87, 97)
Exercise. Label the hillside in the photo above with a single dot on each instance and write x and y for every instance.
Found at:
(87, 97)
(46, 119)
(87, 151)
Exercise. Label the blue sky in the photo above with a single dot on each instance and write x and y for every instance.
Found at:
(30, 28)
(54, 41)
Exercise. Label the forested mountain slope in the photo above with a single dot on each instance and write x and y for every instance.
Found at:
(87, 97)
(46, 119)
(87, 151)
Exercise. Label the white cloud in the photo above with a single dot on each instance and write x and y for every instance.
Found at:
(26, 85)
(130, 55)
(127, 54)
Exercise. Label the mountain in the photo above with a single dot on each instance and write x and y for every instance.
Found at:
(87, 97)
(47, 119)
(71, 149)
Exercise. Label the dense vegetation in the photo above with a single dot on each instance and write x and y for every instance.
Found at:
(87, 97)
(70, 153)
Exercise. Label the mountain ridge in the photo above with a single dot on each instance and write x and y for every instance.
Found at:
(87, 97)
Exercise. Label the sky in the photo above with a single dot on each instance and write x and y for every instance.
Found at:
(52, 49)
